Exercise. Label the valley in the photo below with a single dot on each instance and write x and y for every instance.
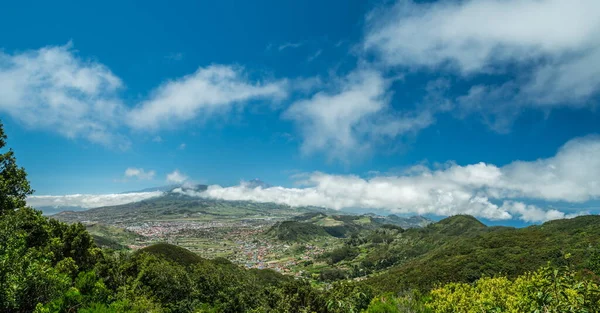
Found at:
(253, 235)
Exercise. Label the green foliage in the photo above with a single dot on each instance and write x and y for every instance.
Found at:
(313, 225)
(340, 254)
(545, 290)
(112, 237)
(389, 303)
(348, 297)
(332, 274)
(172, 253)
(593, 263)
(393, 227)
(457, 225)
(461, 249)
(109, 243)
(14, 187)
(296, 231)
(38, 259)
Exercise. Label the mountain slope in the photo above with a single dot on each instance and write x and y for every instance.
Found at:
(460, 248)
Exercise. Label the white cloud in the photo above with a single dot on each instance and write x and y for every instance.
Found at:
(532, 213)
(549, 48)
(53, 89)
(139, 173)
(482, 190)
(176, 177)
(475, 35)
(350, 117)
(181, 146)
(209, 90)
(572, 175)
(89, 201)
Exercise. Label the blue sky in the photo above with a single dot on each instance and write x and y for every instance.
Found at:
(324, 100)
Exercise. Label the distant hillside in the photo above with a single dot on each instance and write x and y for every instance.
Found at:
(109, 243)
(457, 225)
(317, 224)
(172, 253)
(51, 210)
(112, 237)
(296, 231)
(175, 205)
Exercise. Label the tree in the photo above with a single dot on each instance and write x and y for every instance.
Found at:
(14, 186)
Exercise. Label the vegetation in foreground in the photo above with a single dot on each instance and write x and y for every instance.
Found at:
(49, 266)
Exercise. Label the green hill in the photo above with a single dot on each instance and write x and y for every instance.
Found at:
(112, 233)
(317, 224)
(456, 225)
(295, 231)
(172, 253)
(108, 243)
(460, 248)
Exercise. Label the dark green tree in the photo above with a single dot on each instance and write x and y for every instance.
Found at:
(14, 186)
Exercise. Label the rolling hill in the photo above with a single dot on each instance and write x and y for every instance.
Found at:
(317, 224)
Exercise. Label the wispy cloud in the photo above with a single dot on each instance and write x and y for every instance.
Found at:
(288, 45)
(139, 173)
(314, 56)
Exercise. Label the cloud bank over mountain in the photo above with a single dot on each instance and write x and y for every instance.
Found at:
(89, 201)
(483, 190)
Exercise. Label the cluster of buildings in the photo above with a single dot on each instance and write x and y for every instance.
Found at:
(242, 243)
(163, 229)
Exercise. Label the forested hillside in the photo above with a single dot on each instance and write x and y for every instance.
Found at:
(455, 265)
